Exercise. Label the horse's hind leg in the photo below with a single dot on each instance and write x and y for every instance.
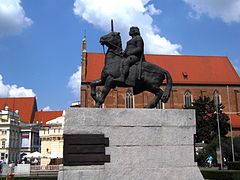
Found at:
(158, 94)
(93, 88)
(107, 87)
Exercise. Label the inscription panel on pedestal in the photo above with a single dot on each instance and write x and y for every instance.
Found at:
(85, 149)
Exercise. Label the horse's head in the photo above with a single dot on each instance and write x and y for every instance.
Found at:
(112, 40)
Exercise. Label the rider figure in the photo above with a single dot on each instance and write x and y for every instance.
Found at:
(133, 52)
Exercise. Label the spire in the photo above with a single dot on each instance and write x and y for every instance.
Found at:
(84, 42)
(83, 70)
(84, 57)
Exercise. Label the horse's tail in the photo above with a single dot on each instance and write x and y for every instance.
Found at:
(168, 88)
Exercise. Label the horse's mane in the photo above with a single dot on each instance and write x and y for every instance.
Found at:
(119, 41)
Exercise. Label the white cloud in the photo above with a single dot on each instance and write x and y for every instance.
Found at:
(227, 10)
(126, 14)
(152, 10)
(47, 108)
(14, 91)
(75, 82)
(12, 18)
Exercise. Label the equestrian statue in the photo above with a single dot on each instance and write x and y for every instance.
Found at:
(130, 69)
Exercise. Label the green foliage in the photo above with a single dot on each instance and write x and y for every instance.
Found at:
(207, 115)
(206, 120)
(201, 158)
(234, 165)
(226, 149)
(221, 174)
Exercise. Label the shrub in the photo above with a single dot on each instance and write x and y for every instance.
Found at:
(234, 165)
(221, 174)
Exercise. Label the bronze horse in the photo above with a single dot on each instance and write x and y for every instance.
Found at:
(150, 79)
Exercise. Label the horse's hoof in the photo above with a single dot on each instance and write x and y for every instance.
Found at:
(97, 105)
(151, 106)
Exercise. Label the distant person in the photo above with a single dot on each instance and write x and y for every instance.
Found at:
(224, 161)
(209, 161)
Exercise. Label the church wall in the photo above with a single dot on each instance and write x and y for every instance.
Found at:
(116, 97)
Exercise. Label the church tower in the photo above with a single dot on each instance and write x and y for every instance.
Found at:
(83, 87)
(84, 59)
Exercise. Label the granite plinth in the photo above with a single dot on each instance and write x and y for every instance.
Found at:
(143, 143)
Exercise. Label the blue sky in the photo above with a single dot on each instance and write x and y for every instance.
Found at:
(40, 41)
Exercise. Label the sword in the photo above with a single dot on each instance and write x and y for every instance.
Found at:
(140, 68)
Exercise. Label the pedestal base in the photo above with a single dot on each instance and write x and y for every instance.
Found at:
(143, 144)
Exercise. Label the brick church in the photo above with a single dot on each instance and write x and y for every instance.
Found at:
(193, 76)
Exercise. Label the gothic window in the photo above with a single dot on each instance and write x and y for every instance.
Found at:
(129, 99)
(238, 100)
(187, 99)
(98, 95)
(216, 98)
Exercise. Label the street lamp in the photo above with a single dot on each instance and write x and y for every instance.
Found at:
(233, 155)
(219, 134)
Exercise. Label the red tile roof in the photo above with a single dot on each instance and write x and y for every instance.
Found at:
(44, 116)
(25, 105)
(199, 69)
(235, 118)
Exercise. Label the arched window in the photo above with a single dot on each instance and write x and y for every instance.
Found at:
(216, 98)
(129, 99)
(98, 95)
(187, 99)
(160, 105)
(237, 93)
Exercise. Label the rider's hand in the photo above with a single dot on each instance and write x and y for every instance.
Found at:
(123, 54)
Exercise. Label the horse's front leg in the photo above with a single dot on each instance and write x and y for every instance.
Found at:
(93, 86)
(107, 87)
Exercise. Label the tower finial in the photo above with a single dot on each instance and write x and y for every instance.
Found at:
(112, 25)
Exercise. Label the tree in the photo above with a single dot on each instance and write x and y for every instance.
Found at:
(206, 120)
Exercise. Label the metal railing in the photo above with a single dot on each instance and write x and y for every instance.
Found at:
(44, 168)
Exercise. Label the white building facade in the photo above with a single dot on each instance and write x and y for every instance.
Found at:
(10, 139)
(52, 141)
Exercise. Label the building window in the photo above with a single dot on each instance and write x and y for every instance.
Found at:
(237, 97)
(129, 99)
(160, 105)
(2, 156)
(187, 99)
(3, 143)
(216, 98)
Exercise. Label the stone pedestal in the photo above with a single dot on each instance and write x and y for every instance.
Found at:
(143, 144)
